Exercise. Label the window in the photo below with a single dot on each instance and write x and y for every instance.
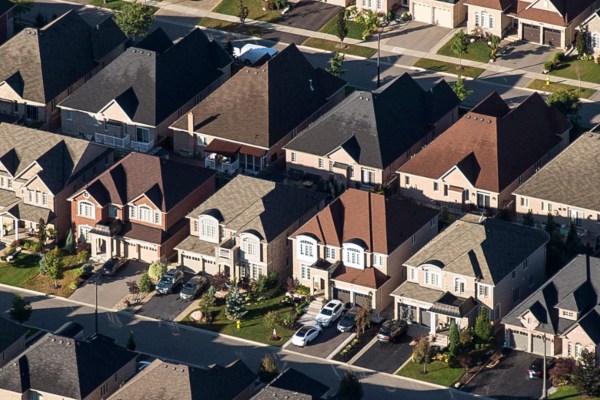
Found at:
(293, 157)
(524, 202)
(436, 186)
(304, 272)
(38, 197)
(432, 278)
(86, 209)
(307, 248)
(377, 260)
(83, 232)
(576, 216)
(483, 200)
(353, 256)
(329, 253)
(459, 285)
(445, 190)
(368, 176)
(542, 206)
(249, 247)
(256, 271)
(577, 350)
(31, 112)
(476, 19)
(569, 349)
(201, 141)
(433, 223)
(351, 172)
(132, 212)
(483, 291)
(413, 274)
(515, 295)
(568, 314)
(157, 217)
(69, 115)
(379, 4)
(45, 199)
(142, 135)
(491, 22)
(208, 229)
(113, 211)
(549, 207)
(145, 213)
(321, 163)
(407, 181)
(195, 225)
(595, 40)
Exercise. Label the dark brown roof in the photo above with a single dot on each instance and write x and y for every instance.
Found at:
(259, 106)
(492, 145)
(568, 10)
(368, 277)
(493, 4)
(381, 224)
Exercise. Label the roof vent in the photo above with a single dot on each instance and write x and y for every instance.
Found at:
(310, 85)
(134, 50)
(368, 99)
(468, 116)
(360, 97)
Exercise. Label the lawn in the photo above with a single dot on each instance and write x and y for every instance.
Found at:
(437, 372)
(355, 29)
(252, 326)
(477, 51)
(590, 71)
(231, 7)
(441, 66)
(352, 49)
(539, 84)
(115, 4)
(570, 393)
(232, 27)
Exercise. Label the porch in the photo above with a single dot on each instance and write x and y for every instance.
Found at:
(20, 222)
(123, 142)
(230, 157)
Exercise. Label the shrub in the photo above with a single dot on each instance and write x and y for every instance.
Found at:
(302, 290)
(145, 284)
(156, 270)
(73, 285)
(132, 287)
(267, 371)
(83, 257)
(586, 377)
(562, 372)
(220, 281)
(549, 66)
(559, 57)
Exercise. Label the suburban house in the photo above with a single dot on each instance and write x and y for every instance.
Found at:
(367, 137)
(445, 13)
(353, 249)
(41, 67)
(294, 385)
(244, 125)
(38, 172)
(6, 20)
(12, 340)
(242, 229)
(480, 160)
(162, 380)
(131, 103)
(564, 312)
(567, 187)
(491, 16)
(474, 263)
(592, 32)
(137, 208)
(61, 367)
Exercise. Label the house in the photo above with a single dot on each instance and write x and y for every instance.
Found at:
(480, 160)
(474, 263)
(61, 367)
(591, 27)
(244, 125)
(491, 16)
(132, 102)
(137, 208)
(565, 312)
(6, 20)
(162, 380)
(12, 340)
(567, 188)
(445, 13)
(41, 67)
(242, 229)
(38, 172)
(353, 249)
(368, 136)
(292, 384)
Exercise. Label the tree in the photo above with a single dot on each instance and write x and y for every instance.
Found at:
(573, 243)
(422, 352)
(578, 69)
(528, 219)
(567, 102)
(460, 89)
(335, 64)
(220, 281)
(342, 28)
(267, 370)
(581, 43)
(292, 284)
(483, 327)
(134, 19)
(562, 372)
(270, 320)
(235, 307)
(586, 377)
(21, 7)
(131, 342)
(350, 387)
(453, 340)
(206, 302)
(70, 242)
(494, 43)
(361, 320)
(51, 265)
(145, 284)
(21, 309)
(460, 45)
(243, 12)
(550, 224)
(156, 270)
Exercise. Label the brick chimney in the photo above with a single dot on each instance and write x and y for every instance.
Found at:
(190, 119)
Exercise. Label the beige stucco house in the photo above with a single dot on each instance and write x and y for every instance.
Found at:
(445, 13)
(491, 16)
(592, 31)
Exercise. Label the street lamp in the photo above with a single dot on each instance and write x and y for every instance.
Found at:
(544, 388)
(379, 30)
(96, 305)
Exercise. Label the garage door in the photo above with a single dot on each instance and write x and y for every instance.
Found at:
(517, 340)
(341, 295)
(191, 263)
(148, 253)
(422, 13)
(442, 17)
(130, 250)
(531, 33)
(363, 300)
(407, 313)
(425, 318)
(537, 344)
(552, 37)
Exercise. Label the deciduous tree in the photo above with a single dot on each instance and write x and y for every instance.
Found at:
(460, 45)
(21, 309)
(586, 377)
(134, 19)
(350, 387)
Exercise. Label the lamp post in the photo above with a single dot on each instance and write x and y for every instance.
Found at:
(379, 30)
(544, 377)
(96, 305)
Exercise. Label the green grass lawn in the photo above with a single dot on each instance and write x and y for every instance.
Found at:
(355, 29)
(252, 327)
(570, 393)
(352, 49)
(438, 373)
(478, 51)
(590, 71)
(441, 66)
(539, 84)
(231, 7)
(115, 4)
(232, 27)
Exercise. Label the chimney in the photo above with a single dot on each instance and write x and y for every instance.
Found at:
(190, 119)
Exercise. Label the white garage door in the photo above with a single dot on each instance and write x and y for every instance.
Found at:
(191, 263)
(130, 250)
(518, 340)
(442, 17)
(538, 344)
(148, 253)
(422, 13)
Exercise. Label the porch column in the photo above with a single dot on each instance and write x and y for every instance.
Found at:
(433, 323)
(16, 229)
(1, 227)
(418, 316)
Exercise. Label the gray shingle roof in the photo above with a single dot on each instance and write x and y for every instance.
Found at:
(376, 128)
(5, 6)
(10, 333)
(489, 250)
(572, 177)
(153, 80)
(293, 385)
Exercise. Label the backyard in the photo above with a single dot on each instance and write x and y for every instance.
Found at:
(477, 51)
(590, 71)
(441, 66)
(355, 29)
(255, 10)
(438, 372)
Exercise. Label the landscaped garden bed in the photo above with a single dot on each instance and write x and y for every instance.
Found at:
(356, 345)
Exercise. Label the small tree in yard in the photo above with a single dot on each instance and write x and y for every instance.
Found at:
(562, 372)
(270, 320)
(350, 387)
(134, 19)
(267, 371)
(132, 287)
(70, 242)
(21, 309)
(453, 342)
(586, 377)
(131, 342)
(581, 43)
(220, 281)
(460, 46)
(243, 12)
(41, 235)
(206, 302)
(156, 270)
(291, 285)
(335, 64)
(342, 28)
(145, 283)
(235, 307)
(567, 102)
(361, 320)
(550, 224)
(51, 265)
(422, 352)
(460, 89)
(483, 327)
(528, 219)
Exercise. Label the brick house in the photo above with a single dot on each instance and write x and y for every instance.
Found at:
(480, 160)
(131, 103)
(38, 172)
(41, 67)
(6, 20)
(353, 249)
(368, 136)
(137, 208)
(242, 229)
(244, 124)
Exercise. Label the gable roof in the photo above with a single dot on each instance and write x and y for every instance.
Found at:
(9, 334)
(252, 204)
(572, 177)
(368, 277)
(487, 250)
(493, 4)
(64, 366)
(154, 79)
(382, 224)
(259, 106)
(47, 61)
(164, 182)
(503, 142)
(293, 385)
(381, 125)
(568, 10)
(6, 6)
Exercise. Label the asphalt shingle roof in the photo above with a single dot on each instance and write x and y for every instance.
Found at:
(10, 333)
(5, 6)
(293, 385)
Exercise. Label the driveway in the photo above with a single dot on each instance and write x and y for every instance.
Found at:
(415, 36)
(524, 55)
(311, 15)
(111, 289)
(389, 357)
(166, 307)
(325, 344)
(508, 380)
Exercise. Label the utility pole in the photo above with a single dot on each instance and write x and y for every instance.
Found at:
(96, 308)
(379, 29)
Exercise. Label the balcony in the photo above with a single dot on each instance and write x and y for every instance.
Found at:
(142, 147)
(223, 164)
(228, 250)
(114, 141)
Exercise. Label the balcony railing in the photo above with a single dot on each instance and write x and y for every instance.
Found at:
(112, 140)
(143, 147)
(227, 167)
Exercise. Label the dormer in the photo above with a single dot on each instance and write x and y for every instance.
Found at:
(250, 246)
(568, 314)
(208, 228)
(354, 253)
(306, 248)
(529, 320)
(432, 274)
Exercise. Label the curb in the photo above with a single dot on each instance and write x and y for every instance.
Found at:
(363, 351)
(341, 346)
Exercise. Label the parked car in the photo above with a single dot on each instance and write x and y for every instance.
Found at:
(536, 369)
(391, 331)
(348, 321)
(330, 313)
(169, 281)
(193, 287)
(113, 265)
(250, 53)
(305, 335)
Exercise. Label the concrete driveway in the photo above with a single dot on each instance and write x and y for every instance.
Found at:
(325, 344)
(508, 380)
(525, 55)
(111, 289)
(311, 15)
(415, 36)
(166, 307)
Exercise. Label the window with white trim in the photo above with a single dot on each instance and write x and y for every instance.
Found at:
(368, 176)
(321, 163)
(195, 225)
(86, 209)
(413, 274)
(250, 247)
(83, 232)
(436, 186)
(209, 229)
(353, 256)
(569, 349)
(293, 157)
(329, 253)
(432, 278)
(69, 115)
(524, 202)
(477, 19)
(459, 285)
(132, 212)
(304, 271)
(407, 180)
(145, 213)
(377, 260)
(157, 217)
(578, 349)
(483, 291)
(307, 248)
(45, 199)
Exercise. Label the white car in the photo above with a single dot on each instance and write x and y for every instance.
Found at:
(305, 335)
(330, 313)
(251, 53)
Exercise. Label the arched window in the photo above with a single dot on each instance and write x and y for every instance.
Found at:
(86, 209)
(250, 247)
(354, 255)
(146, 214)
(209, 229)
(307, 248)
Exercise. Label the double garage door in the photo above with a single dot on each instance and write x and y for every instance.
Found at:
(432, 15)
(550, 37)
(346, 297)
